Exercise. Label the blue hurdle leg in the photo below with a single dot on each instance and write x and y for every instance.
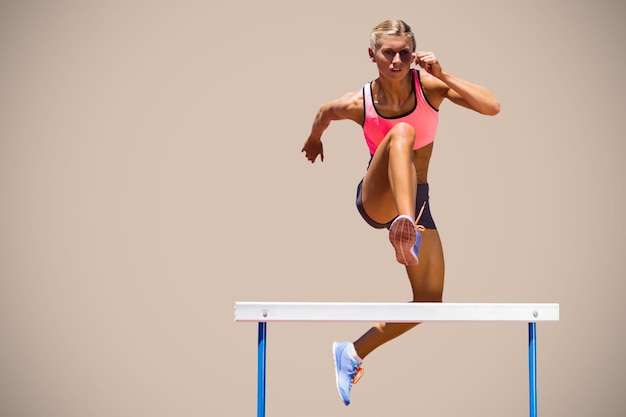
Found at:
(532, 367)
(262, 355)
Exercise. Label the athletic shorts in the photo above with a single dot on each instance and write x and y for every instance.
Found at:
(422, 197)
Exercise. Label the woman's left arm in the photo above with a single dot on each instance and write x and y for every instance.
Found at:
(457, 90)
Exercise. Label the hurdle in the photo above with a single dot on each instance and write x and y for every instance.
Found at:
(264, 312)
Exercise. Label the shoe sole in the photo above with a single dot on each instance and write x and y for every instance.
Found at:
(335, 352)
(403, 237)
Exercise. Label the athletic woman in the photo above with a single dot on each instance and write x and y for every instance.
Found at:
(398, 112)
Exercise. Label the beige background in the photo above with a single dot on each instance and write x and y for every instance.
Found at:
(151, 175)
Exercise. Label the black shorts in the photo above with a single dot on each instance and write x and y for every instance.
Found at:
(422, 197)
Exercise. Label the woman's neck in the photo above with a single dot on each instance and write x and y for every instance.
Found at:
(394, 91)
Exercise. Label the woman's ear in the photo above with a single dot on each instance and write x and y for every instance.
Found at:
(371, 53)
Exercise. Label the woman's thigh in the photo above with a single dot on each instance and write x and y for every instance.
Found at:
(377, 196)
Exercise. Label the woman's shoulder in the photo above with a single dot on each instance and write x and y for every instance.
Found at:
(350, 105)
(351, 99)
(434, 89)
(430, 82)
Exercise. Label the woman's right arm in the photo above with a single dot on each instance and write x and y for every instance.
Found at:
(347, 107)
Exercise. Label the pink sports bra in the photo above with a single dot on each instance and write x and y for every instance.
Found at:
(423, 118)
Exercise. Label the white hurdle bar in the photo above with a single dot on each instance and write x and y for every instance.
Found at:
(263, 312)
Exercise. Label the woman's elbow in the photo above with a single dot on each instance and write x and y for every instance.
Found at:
(492, 108)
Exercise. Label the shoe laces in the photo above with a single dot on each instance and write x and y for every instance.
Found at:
(419, 227)
(358, 373)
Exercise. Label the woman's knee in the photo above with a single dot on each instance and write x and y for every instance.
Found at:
(402, 137)
(402, 133)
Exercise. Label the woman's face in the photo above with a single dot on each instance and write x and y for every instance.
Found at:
(393, 55)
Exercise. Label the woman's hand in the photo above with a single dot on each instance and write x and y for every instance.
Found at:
(429, 62)
(313, 148)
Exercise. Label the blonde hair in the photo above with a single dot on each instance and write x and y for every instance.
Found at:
(391, 27)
